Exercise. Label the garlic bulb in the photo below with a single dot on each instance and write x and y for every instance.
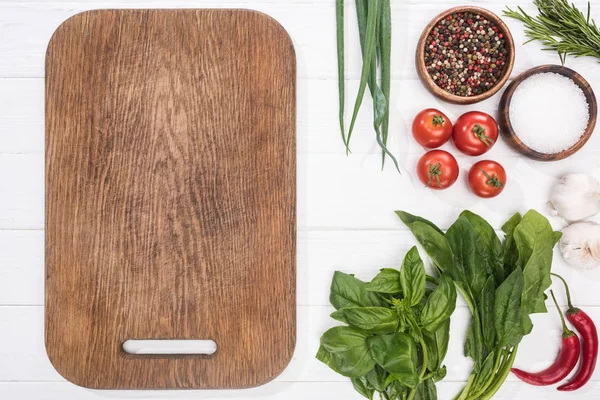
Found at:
(576, 197)
(580, 245)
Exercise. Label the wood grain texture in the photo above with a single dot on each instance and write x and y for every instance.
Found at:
(170, 196)
(512, 137)
(447, 96)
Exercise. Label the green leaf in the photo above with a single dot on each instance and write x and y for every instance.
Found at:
(440, 305)
(510, 253)
(487, 246)
(469, 264)
(487, 369)
(398, 391)
(535, 242)
(473, 346)
(437, 345)
(375, 320)
(426, 390)
(344, 350)
(396, 353)
(377, 378)
(507, 310)
(433, 242)
(412, 277)
(387, 281)
(348, 291)
(440, 374)
(408, 219)
(486, 312)
(361, 385)
(338, 315)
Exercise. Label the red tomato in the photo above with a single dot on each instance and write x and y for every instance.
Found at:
(475, 133)
(431, 128)
(437, 169)
(487, 179)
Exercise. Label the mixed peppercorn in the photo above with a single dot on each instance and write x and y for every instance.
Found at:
(465, 54)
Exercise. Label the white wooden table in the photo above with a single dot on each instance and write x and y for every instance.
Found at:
(345, 204)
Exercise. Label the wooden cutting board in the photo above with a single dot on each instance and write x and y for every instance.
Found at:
(170, 196)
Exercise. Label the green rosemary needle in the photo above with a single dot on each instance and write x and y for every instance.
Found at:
(561, 27)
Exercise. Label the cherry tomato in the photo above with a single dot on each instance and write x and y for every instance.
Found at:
(487, 179)
(431, 128)
(475, 133)
(437, 169)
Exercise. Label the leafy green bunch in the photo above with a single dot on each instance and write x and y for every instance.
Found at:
(502, 283)
(396, 333)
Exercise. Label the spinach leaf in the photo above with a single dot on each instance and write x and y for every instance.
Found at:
(510, 254)
(486, 313)
(440, 305)
(426, 390)
(375, 320)
(487, 246)
(377, 378)
(473, 346)
(486, 371)
(408, 219)
(436, 246)
(362, 386)
(461, 237)
(507, 310)
(344, 350)
(348, 291)
(412, 277)
(397, 354)
(387, 281)
(535, 242)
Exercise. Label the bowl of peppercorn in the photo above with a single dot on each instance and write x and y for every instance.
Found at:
(465, 55)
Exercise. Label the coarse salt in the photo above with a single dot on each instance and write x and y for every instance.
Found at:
(549, 112)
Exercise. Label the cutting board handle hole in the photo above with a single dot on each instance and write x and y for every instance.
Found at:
(165, 346)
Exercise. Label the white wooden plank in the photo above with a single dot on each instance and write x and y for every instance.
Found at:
(25, 29)
(339, 192)
(24, 357)
(320, 253)
(274, 390)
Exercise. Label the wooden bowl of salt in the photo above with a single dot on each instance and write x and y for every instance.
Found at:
(548, 113)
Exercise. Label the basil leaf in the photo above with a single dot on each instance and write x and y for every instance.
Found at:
(377, 378)
(486, 312)
(440, 374)
(396, 353)
(344, 350)
(440, 305)
(462, 239)
(412, 277)
(487, 246)
(535, 242)
(437, 345)
(375, 320)
(362, 386)
(387, 281)
(507, 310)
(338, 315)
(348, 291)
(398, 391)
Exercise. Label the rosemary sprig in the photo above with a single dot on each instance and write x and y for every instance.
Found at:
(561, 27)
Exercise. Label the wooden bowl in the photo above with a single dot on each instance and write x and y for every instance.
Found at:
(504, 113)
(441, 93)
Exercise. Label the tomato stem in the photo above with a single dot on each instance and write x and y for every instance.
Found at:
(435, 172)
(438, 120)
(492, 180)
(479, 131)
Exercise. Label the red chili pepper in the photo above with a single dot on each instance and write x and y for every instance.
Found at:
(564, 363)
(589, 336)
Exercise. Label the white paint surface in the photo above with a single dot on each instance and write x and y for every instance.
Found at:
(345, 204)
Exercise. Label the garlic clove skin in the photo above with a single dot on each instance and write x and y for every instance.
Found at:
(580, 245)
(575, 197)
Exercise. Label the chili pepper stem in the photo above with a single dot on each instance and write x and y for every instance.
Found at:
(567, 333)
(571, 310)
